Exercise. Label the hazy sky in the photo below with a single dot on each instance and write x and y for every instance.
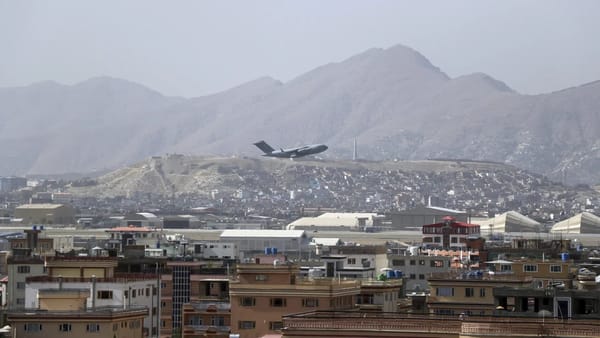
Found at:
(193, 48)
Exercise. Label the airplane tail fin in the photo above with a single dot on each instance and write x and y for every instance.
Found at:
(262, 145)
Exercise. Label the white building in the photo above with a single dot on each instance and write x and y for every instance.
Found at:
(336, 221)
(583, 223)
(293, 243)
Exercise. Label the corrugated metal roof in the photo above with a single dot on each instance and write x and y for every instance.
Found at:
(260, 233)
(584, 222)
(446, 210)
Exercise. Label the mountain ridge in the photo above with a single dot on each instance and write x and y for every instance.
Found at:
(393, 101)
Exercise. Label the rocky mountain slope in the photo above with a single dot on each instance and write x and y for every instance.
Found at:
(394, 102)
(279, 188)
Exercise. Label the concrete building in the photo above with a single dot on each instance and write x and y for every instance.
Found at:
(472, 292)
(121, 237)
(449, 234)
(362, 256)
(96, 280)
(63, 314)
(184, 282)
(181, 222)
(364, 324)
(141, 219)
(293, 243)
(45, 213)
(416, 269)
(19, 269)
(206, 319)
(415, 218)
(275, 290)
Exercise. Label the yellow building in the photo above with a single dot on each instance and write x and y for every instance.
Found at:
(63, 313)
(270, 291)
(471, 292)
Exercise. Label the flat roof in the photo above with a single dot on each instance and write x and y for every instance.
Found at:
(260, 233)
(40, 206)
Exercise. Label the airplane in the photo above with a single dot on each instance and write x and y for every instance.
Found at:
(291, 152)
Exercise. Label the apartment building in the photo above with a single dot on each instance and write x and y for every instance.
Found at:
(449, 234)
(19, 269)
(416, 269)
(206, 319)
(63, 313)
(269, 291)
(190, 282)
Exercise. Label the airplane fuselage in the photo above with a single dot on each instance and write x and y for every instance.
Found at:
(291, 152)
(298, 152)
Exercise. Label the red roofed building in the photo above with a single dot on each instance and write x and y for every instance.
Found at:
(449, 234)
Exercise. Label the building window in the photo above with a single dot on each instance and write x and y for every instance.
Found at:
(275, 326)
(412, 276)
(115, 326)
(444, 291)
(437, 239)
(469, 292)
(436, 263)
(422, 262)
(92, 327)
(105, 294)
(278, 302)
(310, 302)
(530, 268)
(64, 327)
(23, 269)
(505, 267)
(482, 292)
(555, 268)
(20, 301)
(453, 240)
(398, 262)
(20, 285)
(247, 301)
(413, 262)
(351, 260)
(261, 277)
(218, 321)
(246, 324)
(421, 276)
(32, 327)
(133, 292)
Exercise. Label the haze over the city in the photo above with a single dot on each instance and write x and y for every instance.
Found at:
(193, 48)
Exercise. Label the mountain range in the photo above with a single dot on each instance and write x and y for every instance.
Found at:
(393, 102)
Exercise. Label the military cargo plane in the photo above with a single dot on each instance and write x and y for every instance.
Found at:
(291, 152)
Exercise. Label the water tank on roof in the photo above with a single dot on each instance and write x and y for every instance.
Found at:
(268, 251)
(398, 273)
(390, 274)
(564, 256)
(274, 250)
